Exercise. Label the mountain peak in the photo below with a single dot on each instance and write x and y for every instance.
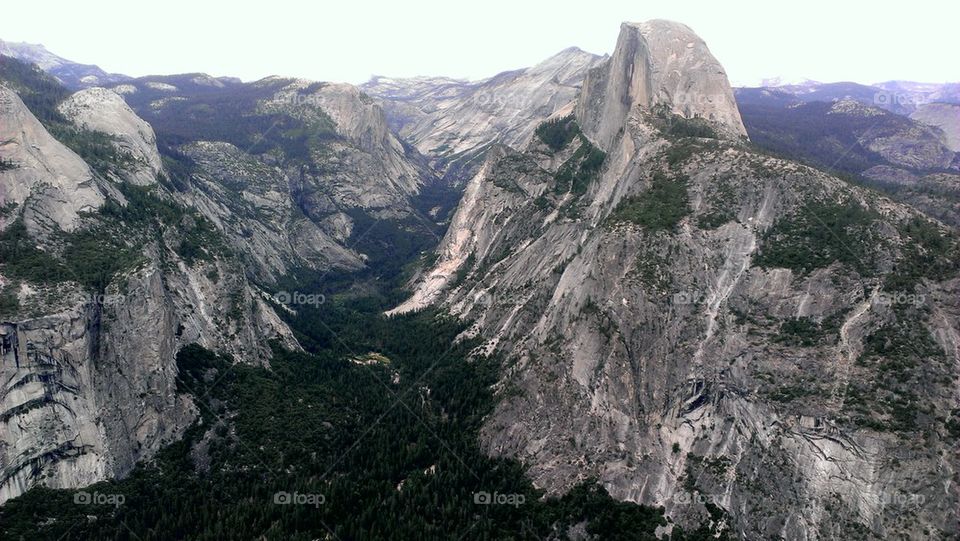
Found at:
(34, 53)
(656, 62)
(71, 74)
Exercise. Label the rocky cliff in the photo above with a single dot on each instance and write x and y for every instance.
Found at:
(454, 121)
(656, 63)
(44, 180)
(100, 110)
(103, 278)
(945, 116)
(749, 342)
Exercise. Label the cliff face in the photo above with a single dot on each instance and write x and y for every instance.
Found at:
(100, 110)
(656, 63)
(739, 338)
(90, 389)
(455, 122)
(255, 205)
(46, 181)
(367, 168)
(945, 116)
(89, 370)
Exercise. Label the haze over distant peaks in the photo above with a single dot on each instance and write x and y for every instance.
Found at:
(72, 74)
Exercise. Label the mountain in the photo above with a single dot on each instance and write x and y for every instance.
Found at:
(915, 95)
(844, 133)
(945, 116)
(455, 122)
(88, 265)
(315, 164)
(774, 82)
(901, 97)
(751, 343)
(912, 158)
(71, 74)
(104, 236)
(152, 330)
(597, 298)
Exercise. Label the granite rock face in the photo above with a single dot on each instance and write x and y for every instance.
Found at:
(101, 110)
(455, 121)
(656, 63)
(649, 319)
(46, 181)
(945, 116)
(90, 375)
(91, 382)
(254, 204)
(369, 168)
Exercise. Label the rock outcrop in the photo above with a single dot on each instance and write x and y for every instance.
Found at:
(675, 324)
(43, 179)
(90, 379)
(380, 177)
(656, 63)
(254, 204)
(91, 382)
(104, 111)
(945, 116)
(455, 122)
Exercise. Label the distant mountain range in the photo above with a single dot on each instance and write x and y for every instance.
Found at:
(72, 74)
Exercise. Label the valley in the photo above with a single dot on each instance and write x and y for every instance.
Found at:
(602, 297)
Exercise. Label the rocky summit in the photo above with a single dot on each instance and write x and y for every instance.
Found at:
(602, 297)
(670, 328)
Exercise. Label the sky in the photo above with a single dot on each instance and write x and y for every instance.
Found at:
(350, 40)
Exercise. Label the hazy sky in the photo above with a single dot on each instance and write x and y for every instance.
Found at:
(348, 40)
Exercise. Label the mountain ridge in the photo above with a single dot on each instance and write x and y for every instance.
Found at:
(645, 319)
(743, 344)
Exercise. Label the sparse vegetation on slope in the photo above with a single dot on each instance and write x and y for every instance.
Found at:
(818, 234)
(576, 174)
(42, 94)
(559, 132)
(659, 208)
